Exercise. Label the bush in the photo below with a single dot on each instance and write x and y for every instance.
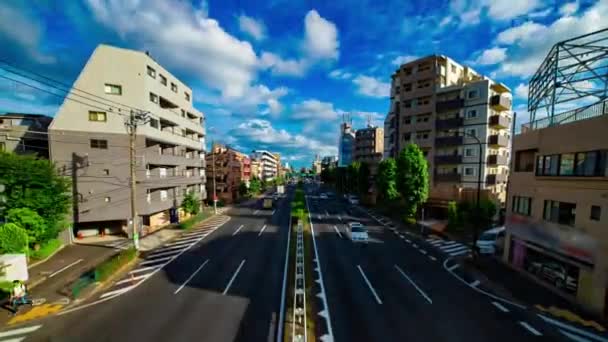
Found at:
(191, 204)
(189, 223)
(47, 249)
(104, 270)
(13, 239)
(31, 222)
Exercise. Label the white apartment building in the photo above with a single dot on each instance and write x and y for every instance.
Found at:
(269, 163)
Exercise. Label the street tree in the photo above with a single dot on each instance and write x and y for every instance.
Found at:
(243, 189)
(352, 176)
(386, 180)
(412, 178)
(32, 223)
(191, 204)
(254, 186)
(364, 175)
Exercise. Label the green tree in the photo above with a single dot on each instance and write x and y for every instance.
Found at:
(352, 177)
(454, 216)
(254, 186)
(191, 204)
(243, 189)
(31, 222)
(363, 181)
(35, 184)
(412, 178)
(13, 239)
(386, 180)
(279, 180)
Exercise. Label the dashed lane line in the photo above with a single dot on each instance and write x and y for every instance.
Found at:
(500, 307)
(371, 288)
(337, 231)
(422, 293)
(238, 230)
(530, 328)
(191, 276)
(233, 277)
(262, 230)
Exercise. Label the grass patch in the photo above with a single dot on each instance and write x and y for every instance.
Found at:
(46, 250)
(191, 222)
(104, 270)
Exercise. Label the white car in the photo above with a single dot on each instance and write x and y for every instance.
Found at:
(491, 240)
(358, 233)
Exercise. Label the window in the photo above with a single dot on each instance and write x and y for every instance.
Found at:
(99, 143)
(596, 212)
(472, 114)
(148, 196)
(174, 87)
(407, 136)
(453, 67)
(163, 79)
(154, 123)
(422, 135)
(469, 171)
(187, 96)
(469, 152)
(407, 87)
(566, 164)
(473, 93)
(183, 113)
(153, 97)
(151, 72)
(397, 89)
(550, 165)
(524, 161)
(162, 172)
(472, 132)
(163, 195)
(407, 120)
(107, 199)
(422, 118)
(522, 205)
(560, 212)
(113, 89)
(97, 116)
(407, 104)
(106, 172)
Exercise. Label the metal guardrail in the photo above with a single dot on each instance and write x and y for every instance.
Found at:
(587, 112)
(299, 300)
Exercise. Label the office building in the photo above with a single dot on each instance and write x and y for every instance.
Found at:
(268, 164)
(24, 133)
(346, 144)
(449, 110)
(90, 144)
(231, 167)
(369, 147)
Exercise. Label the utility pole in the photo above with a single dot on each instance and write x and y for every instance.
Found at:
(134, 120)
(213, 170)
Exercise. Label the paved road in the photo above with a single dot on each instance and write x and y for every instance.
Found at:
(226, 288)
(391, 290)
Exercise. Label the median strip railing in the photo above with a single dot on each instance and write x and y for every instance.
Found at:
(299, 312)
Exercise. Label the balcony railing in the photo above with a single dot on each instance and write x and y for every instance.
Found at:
(587, 112)
(449, 159)
(494, 179)
(500, 102)
(448, 177)
(495, 159)
(449, 105)
(499, 121)
(448, 123)
(448, 141)
(498, 140)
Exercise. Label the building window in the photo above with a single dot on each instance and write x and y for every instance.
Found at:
(407, 136)
(522, 205)
(469, 171)
(174, 87)
(407, 104)
(596, 213)
(550, 165)
(472, 114)
(407, 87)
(153, 97)
(113, 89)
(97, 116)
(106, 172)
(163, 79)
(422, 135)
(162, 172)
(566, 164)
(473, 93)
(154, 123)
(187, 96)
(148, 196)
(163, 195)
(407, 120)
(99, 143)
(560, 212)
(469, 152)
(183, 113)
(472, 132)
(151, 72)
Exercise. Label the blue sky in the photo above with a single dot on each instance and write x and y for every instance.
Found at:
(280, 74)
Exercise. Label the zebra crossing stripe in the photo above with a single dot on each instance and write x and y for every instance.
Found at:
(116, 292)
(435, 242)
(157, 254)
(460, 253)
(155, 261)
(451, 243)
(454, 249)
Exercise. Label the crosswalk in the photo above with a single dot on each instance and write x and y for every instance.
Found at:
(163, 255)
(19, 334)
(452, 248)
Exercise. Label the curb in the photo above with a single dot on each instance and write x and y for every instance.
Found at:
(40, 262)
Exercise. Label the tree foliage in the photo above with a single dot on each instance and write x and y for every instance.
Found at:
(33, 224)
(412, 178)
(386, 180)
(13, 239)
(465, 214)
(254, 186)
(328, 175)
(363, 181)
(352, 176)
(243, 189)
(191, 203)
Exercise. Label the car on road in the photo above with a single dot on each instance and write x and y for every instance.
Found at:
(353, 199)
(553, 272)
(358, 232)
(491, 241)
(323, 196)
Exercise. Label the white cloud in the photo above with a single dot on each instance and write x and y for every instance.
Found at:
(372, 87)
(280, 66)
(314, 110)
(569, 8)
(509, 9)
(258, 95)
(540, 13)
(492, 56)
(521, 91)
(524, 31)
(339, 74)
(321, 37)
(254, 28)
(403, 59)
(469, 12)
(445, 21)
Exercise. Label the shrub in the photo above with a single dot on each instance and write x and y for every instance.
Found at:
(104, 270)
(33, 224)
(189, 223)
(13, 239)
(191, 204)
(47, 249)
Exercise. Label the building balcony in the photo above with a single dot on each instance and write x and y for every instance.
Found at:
(449, 123)
(499, 102)
(495, 159)
(448, 177)
(499, 121)
(494, 179)
(448, 141)
(449, 159)
(498, 141)
(449, 105)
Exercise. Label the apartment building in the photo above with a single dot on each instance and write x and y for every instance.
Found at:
(89, 142)
(557, 211)
(346, 144)
(25, 133)
(269, 163)
(231, 167)
(449, 110)
(369, 147)
(316, 165)
(256, 169)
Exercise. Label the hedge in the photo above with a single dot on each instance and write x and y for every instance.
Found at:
(13, 239)
(104, 270)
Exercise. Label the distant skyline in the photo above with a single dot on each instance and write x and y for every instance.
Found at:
(279, 75)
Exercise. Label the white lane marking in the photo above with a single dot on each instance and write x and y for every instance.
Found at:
(371, 288)
(453, 267)
(165, 249)
(530, 328)
(460, 253)
(450, 243)
(145, 269)
(262, 230)
(236, 231)
(20, 331)
(188, 239)
(573, 337)
(154, 261)
(414, 284)
(16, 339)
(432, 258)
(272, 213)
(415, 245)
(180, 243)
(339, 217)
(162, 254)
(233, 277)
(500, 307)
(408, 240)
(475, 283)
(573, 329)
(256, 212)
(191, 276)
(119, 291)
(132, 279)
(326, 213)
(337, 231)
(435, 242)
(283, 290)
(454, 249)
(66, 267)
(422, 251)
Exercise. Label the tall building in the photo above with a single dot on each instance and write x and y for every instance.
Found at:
(268, 162)
(329, 162)
(231, 167)
(448, 110)
(369, 147)
(256, 169)
(89, 142)
(24, 133)
(346, 144)
(316, 165)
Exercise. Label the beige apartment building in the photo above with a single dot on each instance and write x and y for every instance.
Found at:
(24, 134)
(369, 147)
(269, 164)
(231, 168)
(90, 144)
(449, 110)
(558, 207)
